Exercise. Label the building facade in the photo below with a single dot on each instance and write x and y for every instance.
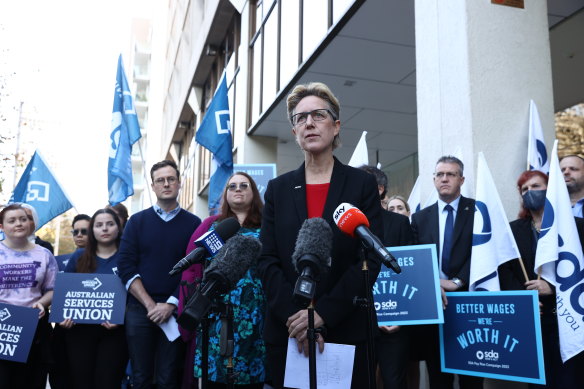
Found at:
(423, 78)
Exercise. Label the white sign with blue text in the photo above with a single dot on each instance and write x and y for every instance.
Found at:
(494, 335)
(413, 296)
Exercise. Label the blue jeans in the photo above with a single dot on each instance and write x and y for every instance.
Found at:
(151, 354)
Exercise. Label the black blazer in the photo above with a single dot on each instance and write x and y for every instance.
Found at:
(396, 229)
(426, 231)
(284, 212)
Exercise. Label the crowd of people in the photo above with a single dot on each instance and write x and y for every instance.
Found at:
(143, 249)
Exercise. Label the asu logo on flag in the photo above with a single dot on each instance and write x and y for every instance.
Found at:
(223, 122)
(37, 190)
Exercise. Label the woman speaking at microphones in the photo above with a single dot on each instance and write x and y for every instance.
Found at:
(316, 189)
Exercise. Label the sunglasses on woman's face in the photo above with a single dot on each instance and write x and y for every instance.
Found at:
(82, 231)
(241, 186)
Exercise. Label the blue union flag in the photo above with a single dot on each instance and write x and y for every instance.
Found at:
(125, 132)
(39, 188)
(214, 134)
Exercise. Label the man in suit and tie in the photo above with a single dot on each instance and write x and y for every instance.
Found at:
(573, 169)
(448, 223)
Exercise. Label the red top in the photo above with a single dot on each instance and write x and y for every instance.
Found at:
(315, 199)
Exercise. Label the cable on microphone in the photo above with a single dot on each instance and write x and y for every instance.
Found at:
(353, 222)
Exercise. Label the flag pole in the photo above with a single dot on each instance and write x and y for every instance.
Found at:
(144, 171)
(523, 269)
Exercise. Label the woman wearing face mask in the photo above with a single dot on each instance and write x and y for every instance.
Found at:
(532, 187)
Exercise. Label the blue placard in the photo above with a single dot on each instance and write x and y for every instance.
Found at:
(17, 328)
(260, 172)
(493, 334)
(88, 298)
(413, 296)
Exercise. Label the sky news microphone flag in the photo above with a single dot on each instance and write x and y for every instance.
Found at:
(492, 240)
(537, 158)
(559, 254)
(39, 188)
(125, 132)
(214, 134)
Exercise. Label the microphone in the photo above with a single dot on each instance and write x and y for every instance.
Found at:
(311, 256)
(209, 244)
(221, 276)
(353, 222)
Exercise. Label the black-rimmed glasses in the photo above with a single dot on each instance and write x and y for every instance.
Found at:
(317, 115)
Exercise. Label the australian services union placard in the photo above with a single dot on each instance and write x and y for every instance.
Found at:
(413, 296)
(494, 335)
(17, 329)
(88, 298)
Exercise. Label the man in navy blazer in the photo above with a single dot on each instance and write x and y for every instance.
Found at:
(448, 223)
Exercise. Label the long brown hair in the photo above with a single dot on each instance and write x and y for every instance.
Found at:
(254, 215)
(87, 262)
(527, 175)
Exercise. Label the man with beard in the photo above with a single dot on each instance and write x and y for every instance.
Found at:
(573, 169)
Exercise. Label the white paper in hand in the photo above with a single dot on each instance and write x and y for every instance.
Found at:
(334, 367)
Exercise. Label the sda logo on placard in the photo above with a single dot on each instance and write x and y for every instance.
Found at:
(389, 304)
(487, 355)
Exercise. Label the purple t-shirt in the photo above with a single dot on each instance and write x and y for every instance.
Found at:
(25, 276)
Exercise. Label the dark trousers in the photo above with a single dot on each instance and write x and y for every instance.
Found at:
(97, 356)
(558, 375)
(276, 358)
(33, 373)
(59, 365)
(393, 357)
(428, 338)
(152, 355)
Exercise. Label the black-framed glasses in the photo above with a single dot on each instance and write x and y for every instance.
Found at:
(318, 115)
(162, 180)
(234, 186)
(82, 231)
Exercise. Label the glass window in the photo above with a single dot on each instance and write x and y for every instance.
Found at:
(340, 7)
(257, 79)
(270, 57)
(290, 23)
(314, 25)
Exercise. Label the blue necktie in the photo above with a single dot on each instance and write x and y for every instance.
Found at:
(447, 246)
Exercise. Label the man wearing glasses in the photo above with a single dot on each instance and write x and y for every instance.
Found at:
(448, 223)
(154, 240)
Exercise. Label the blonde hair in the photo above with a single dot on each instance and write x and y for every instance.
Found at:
(317, 89)
(400, 198)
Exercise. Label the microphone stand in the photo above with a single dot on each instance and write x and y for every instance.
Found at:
(366, 304)
(226, 343)
(311, 335)
(204, 352)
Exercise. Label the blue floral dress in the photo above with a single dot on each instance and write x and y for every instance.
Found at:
(249, 354)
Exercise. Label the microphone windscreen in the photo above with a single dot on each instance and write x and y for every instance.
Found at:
(234, 259)
(348, 218)
(314, 238)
